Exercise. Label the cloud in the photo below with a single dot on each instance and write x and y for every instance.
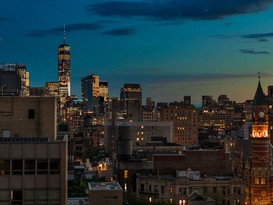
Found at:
(263, 40)
(125, 31)
(167, 10)
(258, 35)
(68, 27)
(157, 79)
(250, 51)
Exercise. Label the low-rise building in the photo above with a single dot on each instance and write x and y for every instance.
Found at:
(105, 193)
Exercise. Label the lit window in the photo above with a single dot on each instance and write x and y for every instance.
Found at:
(125, 187)
(125, 174)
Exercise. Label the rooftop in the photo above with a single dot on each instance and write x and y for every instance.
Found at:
(97, 186)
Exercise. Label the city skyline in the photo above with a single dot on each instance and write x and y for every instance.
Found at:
(171, 48)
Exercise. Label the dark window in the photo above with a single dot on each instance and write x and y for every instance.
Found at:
(142, 187)
(54, 166)
(224, 190)
(214, 190)
(4, 167)
(156, 189)
(29, 166)
(180, 191)
(17, 166)
(184, 191)
(31, 114)
(42, 166)
(17, 197)
(162, 189)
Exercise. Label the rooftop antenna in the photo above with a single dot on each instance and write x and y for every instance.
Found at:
(64, 33)
(259, 75)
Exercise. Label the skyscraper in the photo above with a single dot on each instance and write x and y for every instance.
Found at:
(63, 77)
(64, 69)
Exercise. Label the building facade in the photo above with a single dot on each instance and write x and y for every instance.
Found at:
(185, 123)
(90, 91)
(131, 101)
(259, 175)
(14, 80)
(105, 193)
(28, 117)
(33, 171)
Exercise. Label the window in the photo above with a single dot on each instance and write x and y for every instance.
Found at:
(6, 133)
(4, 167)
(29, 167)
(162, 189)
(214, 190)
(125, 174)
(31, 114)
(224, 190)
(4, 196)
(42, 166)
(17, 167)
(171, 189)
(205, 189)
(54, 166)
(142, 187)
(184, 191)
(180, 191)
(156, 188)
(29, 195)
(16, 197)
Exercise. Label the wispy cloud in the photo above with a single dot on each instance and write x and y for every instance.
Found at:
(258, 35)
(251, 51)
(125, 31)
(155, 79)
(179, 9)
(69, 28)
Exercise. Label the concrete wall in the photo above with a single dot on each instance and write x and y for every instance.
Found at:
(14, 116)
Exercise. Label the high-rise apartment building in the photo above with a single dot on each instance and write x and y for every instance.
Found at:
(185, 123)
(131, 101)
(14, 80)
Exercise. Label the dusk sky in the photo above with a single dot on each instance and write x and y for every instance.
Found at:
(171, 47)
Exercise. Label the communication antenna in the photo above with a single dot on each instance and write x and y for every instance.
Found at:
(64, 33)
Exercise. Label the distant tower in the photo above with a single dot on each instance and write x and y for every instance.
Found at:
(260, 181)
(64, 69)
(90, 91)
(131, 101)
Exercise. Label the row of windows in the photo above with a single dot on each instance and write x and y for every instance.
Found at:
(30, 196)
(183, 190)
(27, 167)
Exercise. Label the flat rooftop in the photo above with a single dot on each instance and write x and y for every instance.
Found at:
(96, 186)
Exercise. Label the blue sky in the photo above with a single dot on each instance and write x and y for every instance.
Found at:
(171, 47)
